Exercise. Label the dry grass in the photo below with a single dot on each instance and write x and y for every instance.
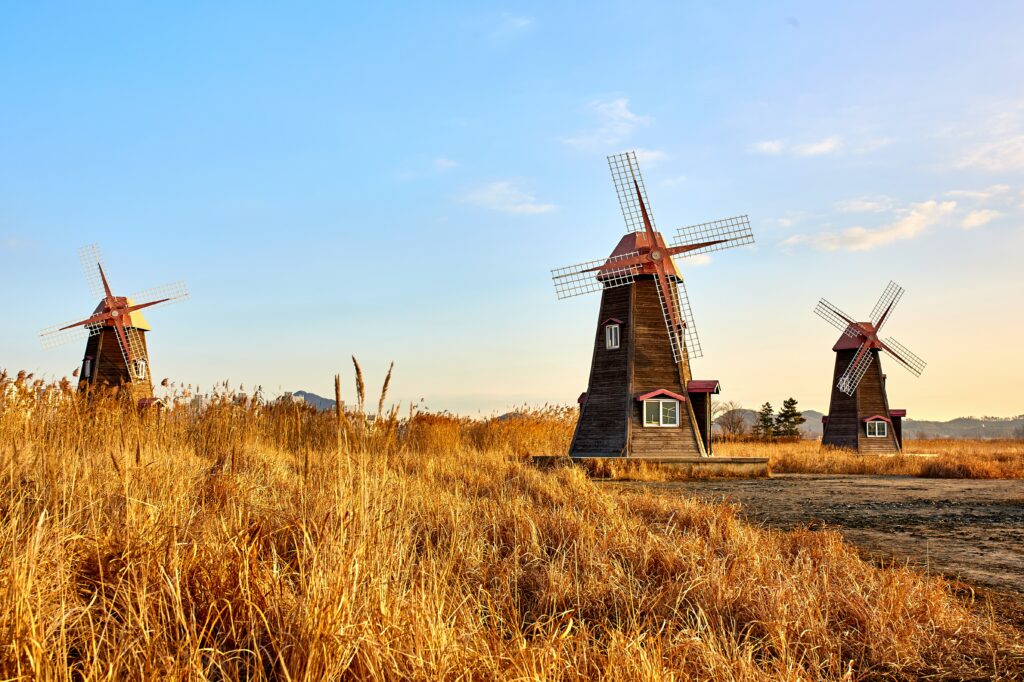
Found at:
(275, 542)
(955, 458)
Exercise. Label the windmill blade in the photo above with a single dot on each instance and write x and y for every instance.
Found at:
(850, 379)
(595, 275)
(729, 232)
(54, 336)
(904, 357)
(626, 172)
(174, 292)
(133, 353)
(670, 311)
(92, 261)
(886, 302)
(693, 348)
(836, 317)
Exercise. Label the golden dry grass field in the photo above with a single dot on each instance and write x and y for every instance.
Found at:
(275, 542)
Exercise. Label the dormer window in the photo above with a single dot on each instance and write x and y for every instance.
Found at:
(878, 429)
(661, 408)
(611, 336)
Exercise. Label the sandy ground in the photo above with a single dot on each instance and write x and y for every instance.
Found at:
(968, 530)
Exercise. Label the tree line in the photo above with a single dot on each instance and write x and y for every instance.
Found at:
(767, 424)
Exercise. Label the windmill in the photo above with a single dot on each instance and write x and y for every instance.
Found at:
(641, 399)
(859, 416)
(115, 334)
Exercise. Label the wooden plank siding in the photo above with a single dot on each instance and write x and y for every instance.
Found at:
(655, 368)
(602, 429)
(108, 366)
(845, 427)
(611, 419)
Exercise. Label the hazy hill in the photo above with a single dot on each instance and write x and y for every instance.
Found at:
(961, 427)
(320, 403)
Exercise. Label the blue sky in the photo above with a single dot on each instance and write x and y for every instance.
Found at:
(396, 182)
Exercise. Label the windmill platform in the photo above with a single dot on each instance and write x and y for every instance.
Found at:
(696, 467)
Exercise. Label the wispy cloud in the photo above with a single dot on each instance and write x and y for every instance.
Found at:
(976, 219)
(872, 204)
(443, 164)
(768, 146)
(506, 197)
(650, 156)
(829, 145)
(999, 156)
(676, 181)
(511, 25)
(980, 194)
(698, 260)
(913, 222)
(615, 123)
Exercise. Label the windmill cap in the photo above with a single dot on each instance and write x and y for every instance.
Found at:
(847, 342)
(135, 319)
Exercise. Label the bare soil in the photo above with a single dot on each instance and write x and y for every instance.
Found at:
(971, 531)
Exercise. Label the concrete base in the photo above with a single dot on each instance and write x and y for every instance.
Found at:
(695, 467)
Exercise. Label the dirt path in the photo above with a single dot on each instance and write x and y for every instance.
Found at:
(967, 529)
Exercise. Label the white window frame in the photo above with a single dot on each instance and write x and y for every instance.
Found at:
(661, 413)
(140, 368)
(612, 336)
(882, 432)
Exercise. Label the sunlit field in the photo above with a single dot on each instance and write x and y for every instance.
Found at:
(924, 458)
(275, 542)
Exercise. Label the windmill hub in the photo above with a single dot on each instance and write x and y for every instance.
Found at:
(656, 255)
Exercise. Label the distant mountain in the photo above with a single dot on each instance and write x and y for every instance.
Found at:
(961, 427)
(320, 403)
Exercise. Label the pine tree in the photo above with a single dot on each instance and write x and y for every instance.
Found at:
(764, 425)
(789, 419)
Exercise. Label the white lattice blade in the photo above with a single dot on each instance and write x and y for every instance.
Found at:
(887, 301)
(835, 317)
(54, 336)
(176, 291)
(735, 231)
(625, 172)
(850, 379)
(904, 357)
(693, 348)
(669, 312)
(583, 278)
(91, 258)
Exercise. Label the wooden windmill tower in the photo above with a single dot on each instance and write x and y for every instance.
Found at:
(859, 416)
(116, 353)
(641, 400)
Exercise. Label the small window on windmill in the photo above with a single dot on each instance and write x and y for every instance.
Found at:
(662, 412)
(139, 365)
(877, 429)
(611, 336)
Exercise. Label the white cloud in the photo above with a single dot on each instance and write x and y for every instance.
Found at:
(980, 194)
(676, 181)
(784, 222)
(504, 196)
(510, 25)
(649, 156)
(443, 164)
(875, 144)
(877, 204)
(615, 124)
(698, 260)
(914, 221)
(976, 219)
(819, 148)
(1002, 155)
(769, 146)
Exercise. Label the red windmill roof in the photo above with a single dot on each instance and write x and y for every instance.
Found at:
(897, 413)
(847, 342)
(635, 241)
